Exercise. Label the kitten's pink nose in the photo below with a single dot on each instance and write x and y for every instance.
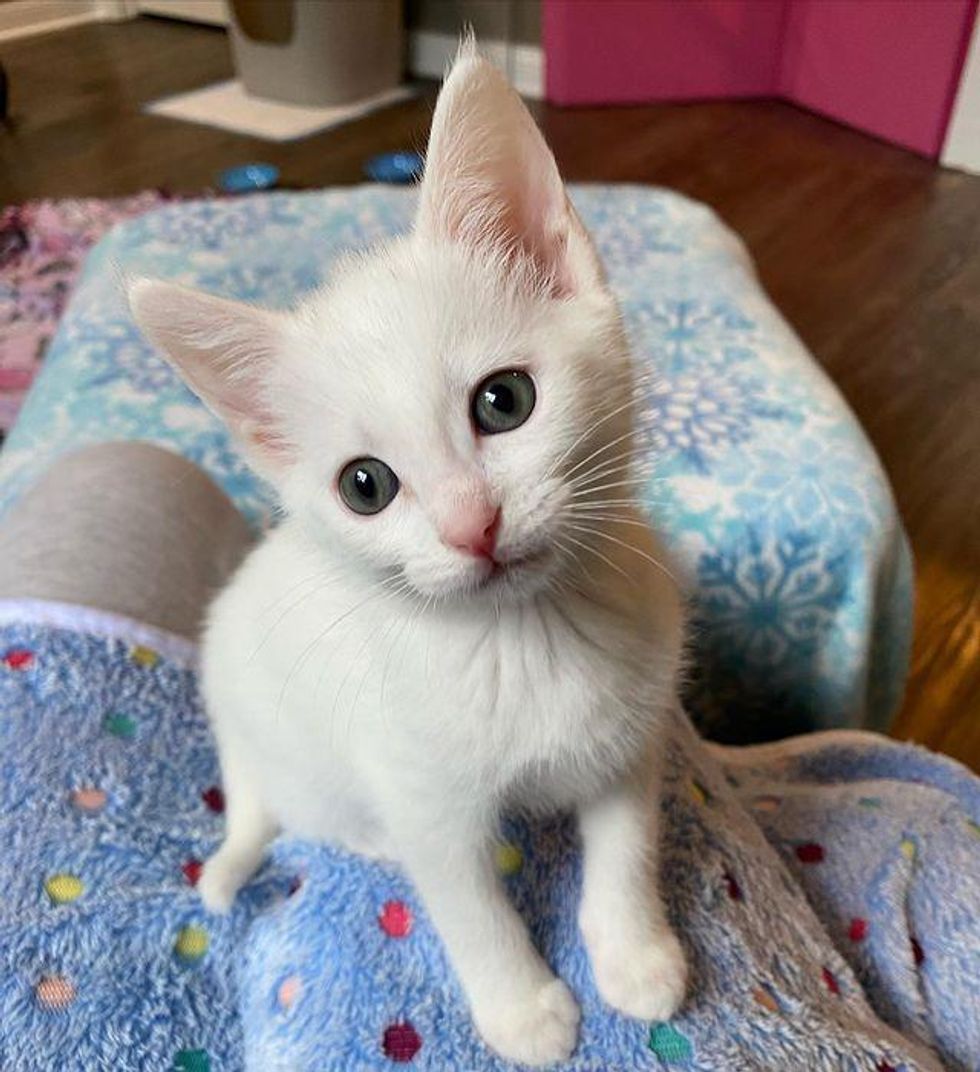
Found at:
(472, 530)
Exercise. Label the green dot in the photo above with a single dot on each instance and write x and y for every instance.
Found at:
(192, 1061)
(870, 802)
(120, 725)
(669, 1044)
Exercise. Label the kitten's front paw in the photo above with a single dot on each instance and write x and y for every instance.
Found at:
(539, 1027)
(220, 881)
(646, 979)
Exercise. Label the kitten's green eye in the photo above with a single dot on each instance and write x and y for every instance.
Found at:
(367, 485)
(503, 401)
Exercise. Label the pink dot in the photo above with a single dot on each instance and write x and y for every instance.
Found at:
(55, 992)
(830, 980)
(289, 990)
(192, 869)
(89, 799)
(214, 799)
(396, 919)
(858, 930)
(809, 853)
(401, 1042)
(19, 659)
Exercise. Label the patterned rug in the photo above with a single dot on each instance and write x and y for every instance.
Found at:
(42, 247)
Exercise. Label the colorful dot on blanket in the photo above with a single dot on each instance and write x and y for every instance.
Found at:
(18, 659)
(809, 853)
(63, 888)
(973, 827)
(144, 656)
(401, 1042)
(508, 858)
(830, 980)
(918, 953)
(731, 884)
(858, 930)
(908, 848)
(870, 802)
(288, 991)
(396, 919)
(766, 803)
(884, 1066)
(119, 725)
(192, 1061)
(55, 992)
(192, 868)
(700, 794)
(89, 799)
(214, 799)
(191, 944)
(669, 1044)
(765, 999)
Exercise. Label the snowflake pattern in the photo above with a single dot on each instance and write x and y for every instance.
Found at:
(743, 432)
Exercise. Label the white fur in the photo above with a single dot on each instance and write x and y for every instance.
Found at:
(369, 684)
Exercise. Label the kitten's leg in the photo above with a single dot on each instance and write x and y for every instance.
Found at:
(518, 1005)
(638, 963)
(248, 830)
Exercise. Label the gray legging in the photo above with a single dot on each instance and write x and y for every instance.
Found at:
(124, 527)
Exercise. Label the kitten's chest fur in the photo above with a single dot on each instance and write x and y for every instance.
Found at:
(354, 693)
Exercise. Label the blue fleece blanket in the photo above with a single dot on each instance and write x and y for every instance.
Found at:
(827, 891)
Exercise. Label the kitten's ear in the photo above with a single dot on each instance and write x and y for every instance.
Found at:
(490, 177)
(222, 350)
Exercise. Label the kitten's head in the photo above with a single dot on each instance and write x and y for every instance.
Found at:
(454, 409)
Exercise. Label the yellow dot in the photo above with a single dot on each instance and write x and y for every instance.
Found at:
(63, 889)
(700, 794)
(908, 848)
(509, 858)
(973, 827)
(192, 943)
(144, 656)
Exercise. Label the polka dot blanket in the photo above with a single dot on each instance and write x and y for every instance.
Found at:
(827, 891)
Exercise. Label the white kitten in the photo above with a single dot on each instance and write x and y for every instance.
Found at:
(462, 612)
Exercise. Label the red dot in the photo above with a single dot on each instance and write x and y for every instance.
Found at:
(192, 870)
(396, 919)
(809, 853)
(401, 1042)
(19, 659)
(214, 798)
(830, 980)
(858, 930)
(884, 1066)
(731, 884)
(917, 951)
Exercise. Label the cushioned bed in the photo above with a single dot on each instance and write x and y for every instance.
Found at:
(769, 492)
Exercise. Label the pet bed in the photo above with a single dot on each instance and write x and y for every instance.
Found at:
(768, 491)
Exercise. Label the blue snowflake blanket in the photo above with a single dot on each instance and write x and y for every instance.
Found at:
(827, 891)
(763, 483)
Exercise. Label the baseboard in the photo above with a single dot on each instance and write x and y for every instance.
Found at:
(22, 18)
(429, 54)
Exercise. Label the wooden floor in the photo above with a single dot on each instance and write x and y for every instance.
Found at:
(872, 254)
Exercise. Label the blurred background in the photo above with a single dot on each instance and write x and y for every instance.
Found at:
(840, 138)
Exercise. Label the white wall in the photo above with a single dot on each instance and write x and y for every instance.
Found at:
(962, 148)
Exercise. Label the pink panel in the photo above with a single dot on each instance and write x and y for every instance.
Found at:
(627, 51)
(890, 67)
